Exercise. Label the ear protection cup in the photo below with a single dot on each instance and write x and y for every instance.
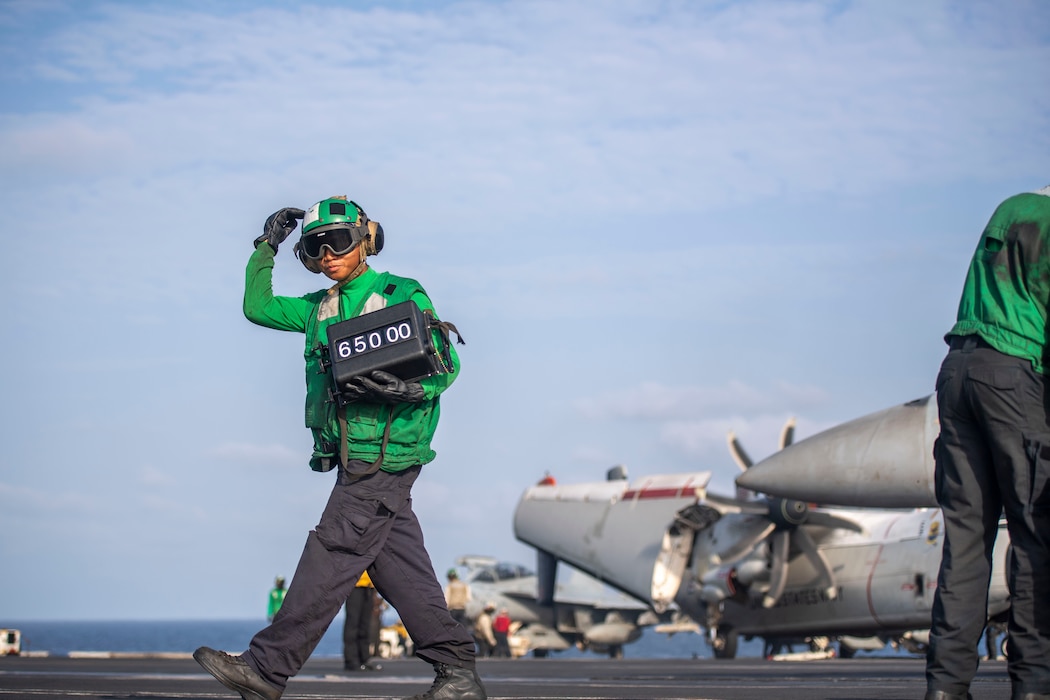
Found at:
(374, 242)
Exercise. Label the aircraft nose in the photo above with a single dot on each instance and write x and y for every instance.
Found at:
(882, 460)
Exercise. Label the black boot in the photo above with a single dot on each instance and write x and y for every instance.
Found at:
(235, 673)
(945, 695)
(454, 683)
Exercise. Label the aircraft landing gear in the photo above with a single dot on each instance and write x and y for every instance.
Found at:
(725, 642)
(616, 651)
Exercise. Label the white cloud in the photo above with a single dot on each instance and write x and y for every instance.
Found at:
(686, 110)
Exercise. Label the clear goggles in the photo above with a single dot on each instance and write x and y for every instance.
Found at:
(338, 240)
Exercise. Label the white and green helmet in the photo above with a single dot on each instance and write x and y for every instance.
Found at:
(338, 224)
(334, 212)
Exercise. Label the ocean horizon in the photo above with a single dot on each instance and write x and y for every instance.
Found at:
(59, 638)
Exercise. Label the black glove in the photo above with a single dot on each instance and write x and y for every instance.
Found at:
(278, 225)
(386, 388)
(353, 391)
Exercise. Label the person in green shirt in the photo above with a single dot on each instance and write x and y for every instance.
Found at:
(993, 455)
(276, 598)
(376, 438)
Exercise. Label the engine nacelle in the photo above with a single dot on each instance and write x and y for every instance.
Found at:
(612, 634)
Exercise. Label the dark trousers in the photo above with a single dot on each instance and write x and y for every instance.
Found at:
(502, 645)
(993, 455)
(367, 524)
(357, 627)
(484, 648)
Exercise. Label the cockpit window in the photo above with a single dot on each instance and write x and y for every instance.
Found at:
(506, 570)
(502, 571)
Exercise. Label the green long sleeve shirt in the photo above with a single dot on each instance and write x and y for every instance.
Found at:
(412, 425)
(1007, 286)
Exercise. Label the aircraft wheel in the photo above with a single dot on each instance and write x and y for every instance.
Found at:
(846, 651)
(725, 643)
(616, 651)
(539, 653)
(1002, 648)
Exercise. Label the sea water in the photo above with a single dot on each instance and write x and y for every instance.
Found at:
(61, 638)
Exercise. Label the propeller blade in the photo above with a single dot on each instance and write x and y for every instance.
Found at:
(736, 450)
(787, 434)
(737, 504)
(816, 517)
(778, 569)
(805, 542)
(758, 530)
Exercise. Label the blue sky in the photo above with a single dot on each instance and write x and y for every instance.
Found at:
(654, 222)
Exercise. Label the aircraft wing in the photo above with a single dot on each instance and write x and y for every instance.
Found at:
(585, 591)
(613, 530)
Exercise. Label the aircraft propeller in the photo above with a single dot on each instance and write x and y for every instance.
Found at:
(736, 450)
(783, 517)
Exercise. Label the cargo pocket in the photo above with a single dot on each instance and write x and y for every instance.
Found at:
(999, 391)
(939, 460)
(353, 525)
(1039, 479)
(362, 420)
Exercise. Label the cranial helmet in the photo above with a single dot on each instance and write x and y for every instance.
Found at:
(338, 224)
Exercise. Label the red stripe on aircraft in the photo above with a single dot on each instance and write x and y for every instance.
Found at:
(677, 492)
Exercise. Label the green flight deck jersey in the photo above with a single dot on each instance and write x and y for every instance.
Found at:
(276, 599)
(411, 425)
(1007, 287)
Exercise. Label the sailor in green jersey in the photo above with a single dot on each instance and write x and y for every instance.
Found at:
(376, 444)
(276, 598)
(993, 455)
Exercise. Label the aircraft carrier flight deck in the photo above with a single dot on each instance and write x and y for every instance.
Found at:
(178, 676)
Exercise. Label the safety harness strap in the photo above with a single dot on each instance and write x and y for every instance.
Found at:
(344, 447)
(443, 328)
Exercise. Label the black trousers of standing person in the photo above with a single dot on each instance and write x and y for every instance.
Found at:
(993, 455)
(357, 627)
(367, 524)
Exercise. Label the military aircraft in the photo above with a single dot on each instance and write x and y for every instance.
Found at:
(758, 565)
(578, 612)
